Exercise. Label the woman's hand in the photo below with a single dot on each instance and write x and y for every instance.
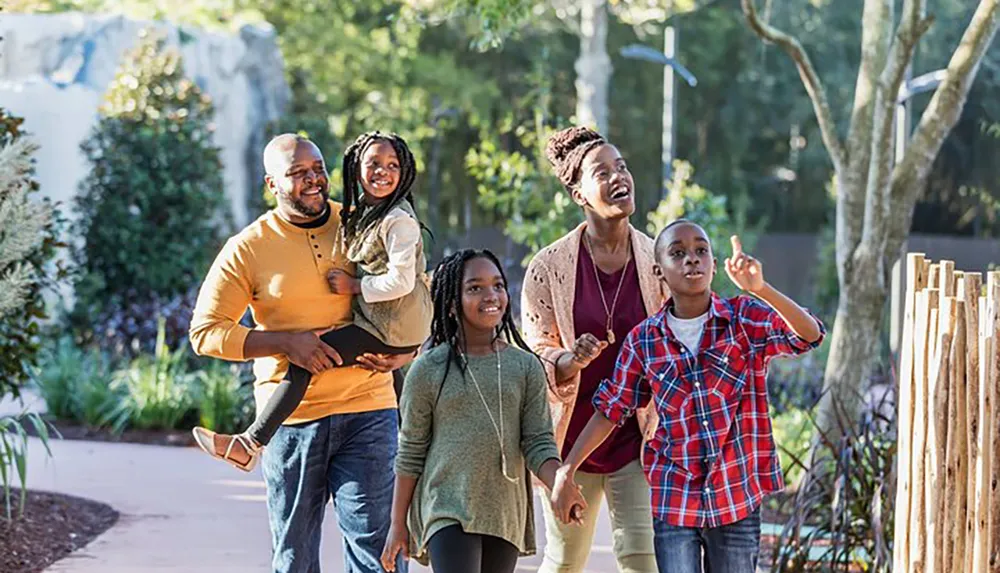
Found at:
(586, 349)
(384, 362)
(397, 542)
(745, 271)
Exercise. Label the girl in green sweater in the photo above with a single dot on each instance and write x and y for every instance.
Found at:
(475, 421)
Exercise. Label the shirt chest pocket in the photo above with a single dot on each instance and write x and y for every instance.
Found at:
(727, 368)
(668, 388)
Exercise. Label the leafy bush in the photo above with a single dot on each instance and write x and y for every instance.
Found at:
(688, 200)
(76, 384)
(225, 400)
(128, 326)
(516, 184)
(28, 242)
(150, 209)
(158, 391)
(14, 455)
(793, 436)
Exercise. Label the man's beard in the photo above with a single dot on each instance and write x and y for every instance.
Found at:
(301, 208)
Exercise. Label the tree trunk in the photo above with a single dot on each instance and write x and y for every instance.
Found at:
(593, 67)
(854, 347)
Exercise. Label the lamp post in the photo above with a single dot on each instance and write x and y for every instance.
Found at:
(671, 65)
(909, 88)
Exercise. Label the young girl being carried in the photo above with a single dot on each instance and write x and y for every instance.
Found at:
(392, 302)
(475, 420)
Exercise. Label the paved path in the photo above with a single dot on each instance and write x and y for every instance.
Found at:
(182, 511)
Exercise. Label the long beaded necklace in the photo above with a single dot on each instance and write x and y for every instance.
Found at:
(498, 428)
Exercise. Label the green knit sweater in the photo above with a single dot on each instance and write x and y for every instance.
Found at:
(449, 444)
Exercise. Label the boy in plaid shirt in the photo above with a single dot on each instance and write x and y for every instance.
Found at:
(703, 360)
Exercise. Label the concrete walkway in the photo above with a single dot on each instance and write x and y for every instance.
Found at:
(182, 511)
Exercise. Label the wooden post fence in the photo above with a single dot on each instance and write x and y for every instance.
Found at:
(947, 516)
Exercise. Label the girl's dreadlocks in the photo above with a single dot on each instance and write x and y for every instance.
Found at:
(446, 290)
(355, 216)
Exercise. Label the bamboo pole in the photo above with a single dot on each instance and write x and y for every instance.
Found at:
(957, 475)
(925, 316)
(973, 286)
(993, 389)
(916, 280)
(937, 405)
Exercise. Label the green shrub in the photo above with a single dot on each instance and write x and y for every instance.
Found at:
(28, 242)
(158, 390)
(150, 210)
(76, 384)
(793, 431)
(225, 400)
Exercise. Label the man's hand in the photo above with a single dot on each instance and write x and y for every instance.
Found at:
(343, 283)
(384, 362)
(305, 349)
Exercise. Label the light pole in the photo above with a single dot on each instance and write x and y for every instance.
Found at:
(670, 65)
(909, 88)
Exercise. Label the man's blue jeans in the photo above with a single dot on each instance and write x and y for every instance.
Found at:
(732, 548)
(347, 456)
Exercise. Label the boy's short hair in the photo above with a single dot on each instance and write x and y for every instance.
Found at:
(663, 233)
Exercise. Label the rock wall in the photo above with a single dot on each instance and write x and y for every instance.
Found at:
(55, 68)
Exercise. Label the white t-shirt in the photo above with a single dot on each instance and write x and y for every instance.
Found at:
(687, 330)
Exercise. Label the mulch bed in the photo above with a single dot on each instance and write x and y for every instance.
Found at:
(52, 527)
(71, 431)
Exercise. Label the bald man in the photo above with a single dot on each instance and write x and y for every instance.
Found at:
(341, 440)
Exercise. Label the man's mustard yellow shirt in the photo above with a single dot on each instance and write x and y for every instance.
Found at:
(279, 271)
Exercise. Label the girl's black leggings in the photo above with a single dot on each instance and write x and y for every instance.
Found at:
(455, 551)
(350, 342)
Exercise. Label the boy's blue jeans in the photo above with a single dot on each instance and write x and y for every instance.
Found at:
(732, 548)
(348, 457)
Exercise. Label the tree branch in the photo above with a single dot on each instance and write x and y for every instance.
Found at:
(914, 24)
(814, 87)
(876, 37)
(910, 175)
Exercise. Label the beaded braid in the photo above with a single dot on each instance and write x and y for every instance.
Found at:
(446, 292)
(354, 216)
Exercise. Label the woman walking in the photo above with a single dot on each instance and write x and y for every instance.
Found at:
(582, 295)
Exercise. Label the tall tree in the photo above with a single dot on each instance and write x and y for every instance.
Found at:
(875, 195)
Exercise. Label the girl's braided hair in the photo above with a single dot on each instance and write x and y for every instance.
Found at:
(355, 216)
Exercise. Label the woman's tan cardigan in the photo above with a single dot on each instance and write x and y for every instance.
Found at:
(547, 317)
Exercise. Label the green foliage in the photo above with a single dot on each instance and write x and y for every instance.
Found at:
(793, 436)
(151, 207)
(225, 400)
(157, 390)
(533, 204)
(76, 385)
(686, 199)
(20, 325)
(14, 455)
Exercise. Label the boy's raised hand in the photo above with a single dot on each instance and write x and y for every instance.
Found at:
(745, 271)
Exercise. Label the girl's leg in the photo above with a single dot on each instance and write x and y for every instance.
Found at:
(350, 342)
(499, 555)
(631, 519)
(568, 546)
(734, 548)
(454, 551)
(678, 549)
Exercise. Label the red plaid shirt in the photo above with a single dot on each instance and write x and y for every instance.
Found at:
(712, 458)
